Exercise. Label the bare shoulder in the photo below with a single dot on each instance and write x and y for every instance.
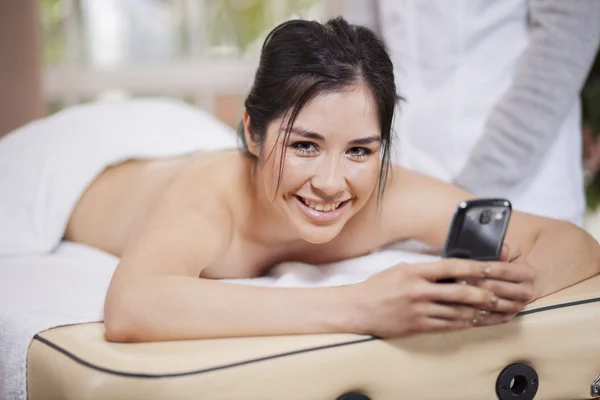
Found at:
(189, 226)
(420, 207)
(417, 206)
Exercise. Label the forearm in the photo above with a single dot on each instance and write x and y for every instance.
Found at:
(178, 308)
(576, 259)
(526, 120)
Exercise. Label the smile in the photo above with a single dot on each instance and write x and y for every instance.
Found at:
(321, 212)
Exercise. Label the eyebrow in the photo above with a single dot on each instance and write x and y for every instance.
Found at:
(315, 136)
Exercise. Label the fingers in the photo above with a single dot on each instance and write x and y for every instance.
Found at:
(454, 312)
(494, 318)
(470, 269)
(507, 306)
(471, 296)
(510, 272)
(513, 291)
(438, 324)
(513, 253)
(442, 324)
(447, 317)
(431, 323)
(450, 268)
(460, 294)
(505, 253)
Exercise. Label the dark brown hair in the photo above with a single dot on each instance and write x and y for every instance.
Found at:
(302, 59)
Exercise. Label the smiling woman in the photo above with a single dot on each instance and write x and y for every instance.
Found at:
(312, 184)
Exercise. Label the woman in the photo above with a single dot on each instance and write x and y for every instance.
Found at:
(314, 185)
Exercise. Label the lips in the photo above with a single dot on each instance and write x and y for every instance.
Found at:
(321, 216)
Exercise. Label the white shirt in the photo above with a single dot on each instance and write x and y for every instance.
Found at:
(454, 60)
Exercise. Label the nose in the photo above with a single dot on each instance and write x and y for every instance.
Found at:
(329, 180)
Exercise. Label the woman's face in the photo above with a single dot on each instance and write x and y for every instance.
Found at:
(331, 163)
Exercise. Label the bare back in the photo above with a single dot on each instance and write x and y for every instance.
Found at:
(116, 202)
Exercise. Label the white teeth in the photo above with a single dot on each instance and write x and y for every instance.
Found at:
(321, 206)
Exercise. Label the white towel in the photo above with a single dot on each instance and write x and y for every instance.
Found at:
(39, 292)
(68, 286)
(46, 165)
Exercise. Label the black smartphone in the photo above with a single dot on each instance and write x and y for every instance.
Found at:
(477, 230)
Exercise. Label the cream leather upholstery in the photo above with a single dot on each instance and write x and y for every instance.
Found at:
(558, 336)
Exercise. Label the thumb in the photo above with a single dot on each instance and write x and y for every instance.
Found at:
(505, 253)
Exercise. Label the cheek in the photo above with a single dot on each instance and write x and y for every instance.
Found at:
(364, 176)
(270, 165)
(296, 171)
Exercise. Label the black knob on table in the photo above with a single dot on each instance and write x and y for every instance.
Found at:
(354, 396)
(518, 381)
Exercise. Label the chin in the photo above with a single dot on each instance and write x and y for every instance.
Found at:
(319, 234)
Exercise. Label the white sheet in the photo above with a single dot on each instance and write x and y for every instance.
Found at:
(42, 291)
(68, 286)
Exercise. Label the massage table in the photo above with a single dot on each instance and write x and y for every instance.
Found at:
(551, 350)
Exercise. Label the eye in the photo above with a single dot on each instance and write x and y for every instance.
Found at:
(304, 147)
(359, 152)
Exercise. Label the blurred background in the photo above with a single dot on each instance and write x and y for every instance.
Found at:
(204, 52)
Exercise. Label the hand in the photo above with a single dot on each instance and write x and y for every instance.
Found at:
(519, 291)
(405, 299)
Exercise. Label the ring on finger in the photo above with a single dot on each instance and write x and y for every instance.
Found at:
(493, 302)
(486, 270)
(482, 314)
(475, 317)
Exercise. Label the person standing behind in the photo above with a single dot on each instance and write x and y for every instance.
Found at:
(492, 93)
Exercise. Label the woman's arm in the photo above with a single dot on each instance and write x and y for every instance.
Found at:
(560, 253)
(156, 293)
(172, 307)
